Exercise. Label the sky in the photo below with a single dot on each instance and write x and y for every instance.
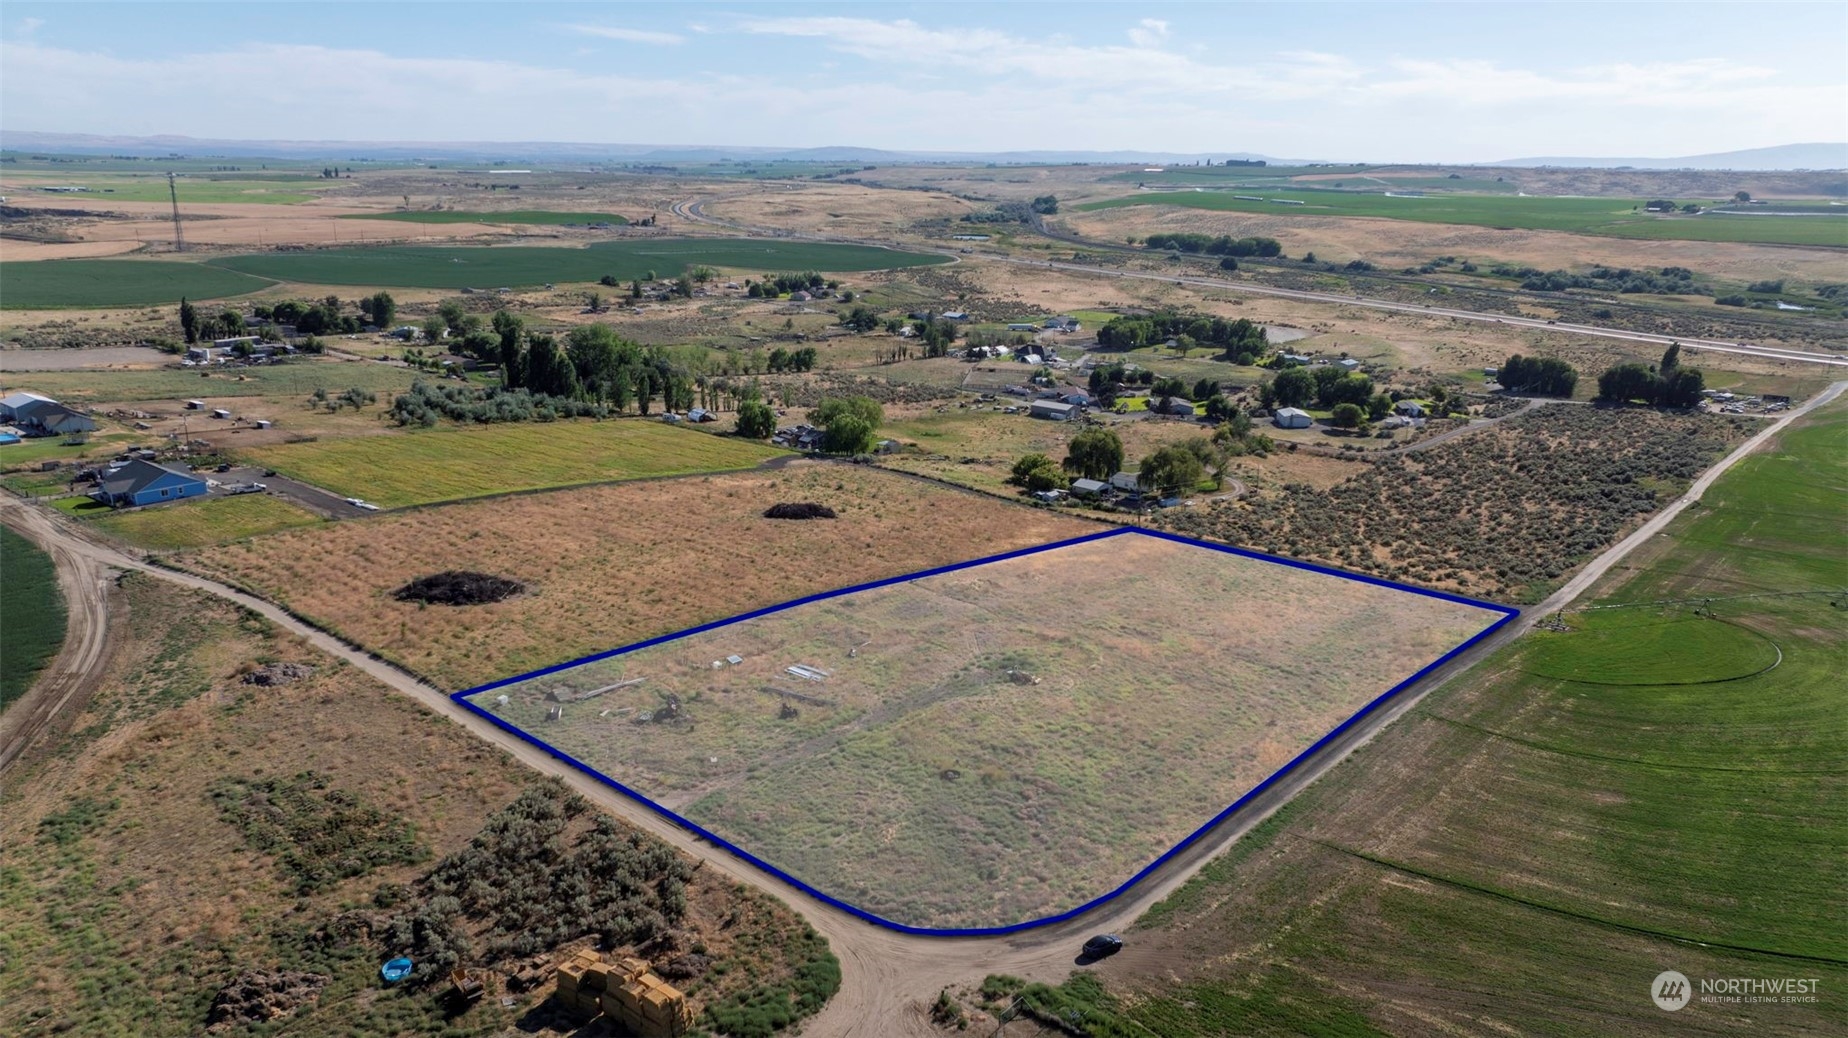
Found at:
(1375, 82)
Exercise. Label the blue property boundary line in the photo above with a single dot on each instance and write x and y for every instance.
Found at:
(1508, 614)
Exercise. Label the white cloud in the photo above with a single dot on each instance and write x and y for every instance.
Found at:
(28, 26)
(611, 32)
(1149, 34)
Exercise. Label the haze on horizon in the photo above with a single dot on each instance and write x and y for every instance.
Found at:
(1384, 82)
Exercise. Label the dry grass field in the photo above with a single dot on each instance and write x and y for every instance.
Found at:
(1000, 743)
(1392, 244)
(127, 898)
(606, 566)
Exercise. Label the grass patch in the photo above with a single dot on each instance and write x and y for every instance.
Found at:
(33, 608)
(1630, 648)
(87, 283)
(1614, 217)
(319, 836)
(512, 266)
(296, 379)
(520, 216)
(206, 520)
(412, 468)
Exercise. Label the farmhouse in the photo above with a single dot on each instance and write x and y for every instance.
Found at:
(44, 417)
(1053, 409)
(1124, 481)
(144, 483)
(1064, 324)
(1291, 418)
(1174, 405)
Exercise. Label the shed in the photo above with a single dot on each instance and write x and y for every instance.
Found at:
(1291, 418)
(10, 404)
(221, 412)
(145, 483)
(1174, 405)
(50, 418)
(1053, 409)
(1349, 363)
(1409, 408)
(1078, 399)
(195, 405)
(1088, 487)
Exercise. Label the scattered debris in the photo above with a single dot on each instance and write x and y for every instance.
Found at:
(563, 694)
(278, 674)
(787, 712)
(258, 996)
(459, 588)
(1021, 677)
(555, 713)
(808, 673)
(800, 510)
(734, 660)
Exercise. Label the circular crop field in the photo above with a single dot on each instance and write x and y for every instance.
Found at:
(517, 266)
(1650, 650)
(116, 282)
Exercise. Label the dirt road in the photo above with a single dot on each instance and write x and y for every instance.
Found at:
(66, 683)
(888, 978)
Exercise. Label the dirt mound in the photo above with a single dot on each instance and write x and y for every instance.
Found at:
(799, 510)
(255, 996)
(278, 674)
(458, 588)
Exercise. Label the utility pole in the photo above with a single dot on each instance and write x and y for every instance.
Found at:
(173, 192)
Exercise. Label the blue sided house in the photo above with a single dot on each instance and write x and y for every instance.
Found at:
(136, 483)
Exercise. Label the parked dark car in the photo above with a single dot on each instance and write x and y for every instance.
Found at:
(1102, 945)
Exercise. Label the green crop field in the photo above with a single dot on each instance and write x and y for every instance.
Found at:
(1603, 216)
(114, 282)
(1524, 853)
(422, 467)
(299, 377)
(519, 216)
(196, 189)
(44, 284)
(203, 521)
(32, 612)
(461, 267)
(1000, 743)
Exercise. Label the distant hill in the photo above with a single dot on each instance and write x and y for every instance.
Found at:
(1784, 156)
(512, 151)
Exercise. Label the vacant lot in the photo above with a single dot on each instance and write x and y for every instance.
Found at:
(414, 468)
(296, 379)
(202, 521)
(519, 216)
(1523, 854)
(1001, 743)
(461, 267)
(607, 566)
(1504, 512)
(139, 881)
(1619, 217)
(34, 611)
(36, 285)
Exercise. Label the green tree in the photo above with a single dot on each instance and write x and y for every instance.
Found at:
(1228, 263)
(861, 319)
(1046, 205)
(1742, 196)
(1347, 416)
(1293, 387)
(1379, 405)
(1174, 469)
(510, 329)
(848, 434)
(1670, 359)
(832, 409)
(380, 308)
(1036, 472)
(433, 328)
(1095, 453)
(756, 421)
(189, 320)
(1622, 383)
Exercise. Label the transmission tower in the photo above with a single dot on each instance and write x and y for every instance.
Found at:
(173, 192)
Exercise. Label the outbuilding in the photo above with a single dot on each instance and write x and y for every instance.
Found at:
(1088, 487)
(1291, 418)
(1125, 481)
(137, 482)
(10, 404)
(1409, 408)
(1054, 410)
(50, 418)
